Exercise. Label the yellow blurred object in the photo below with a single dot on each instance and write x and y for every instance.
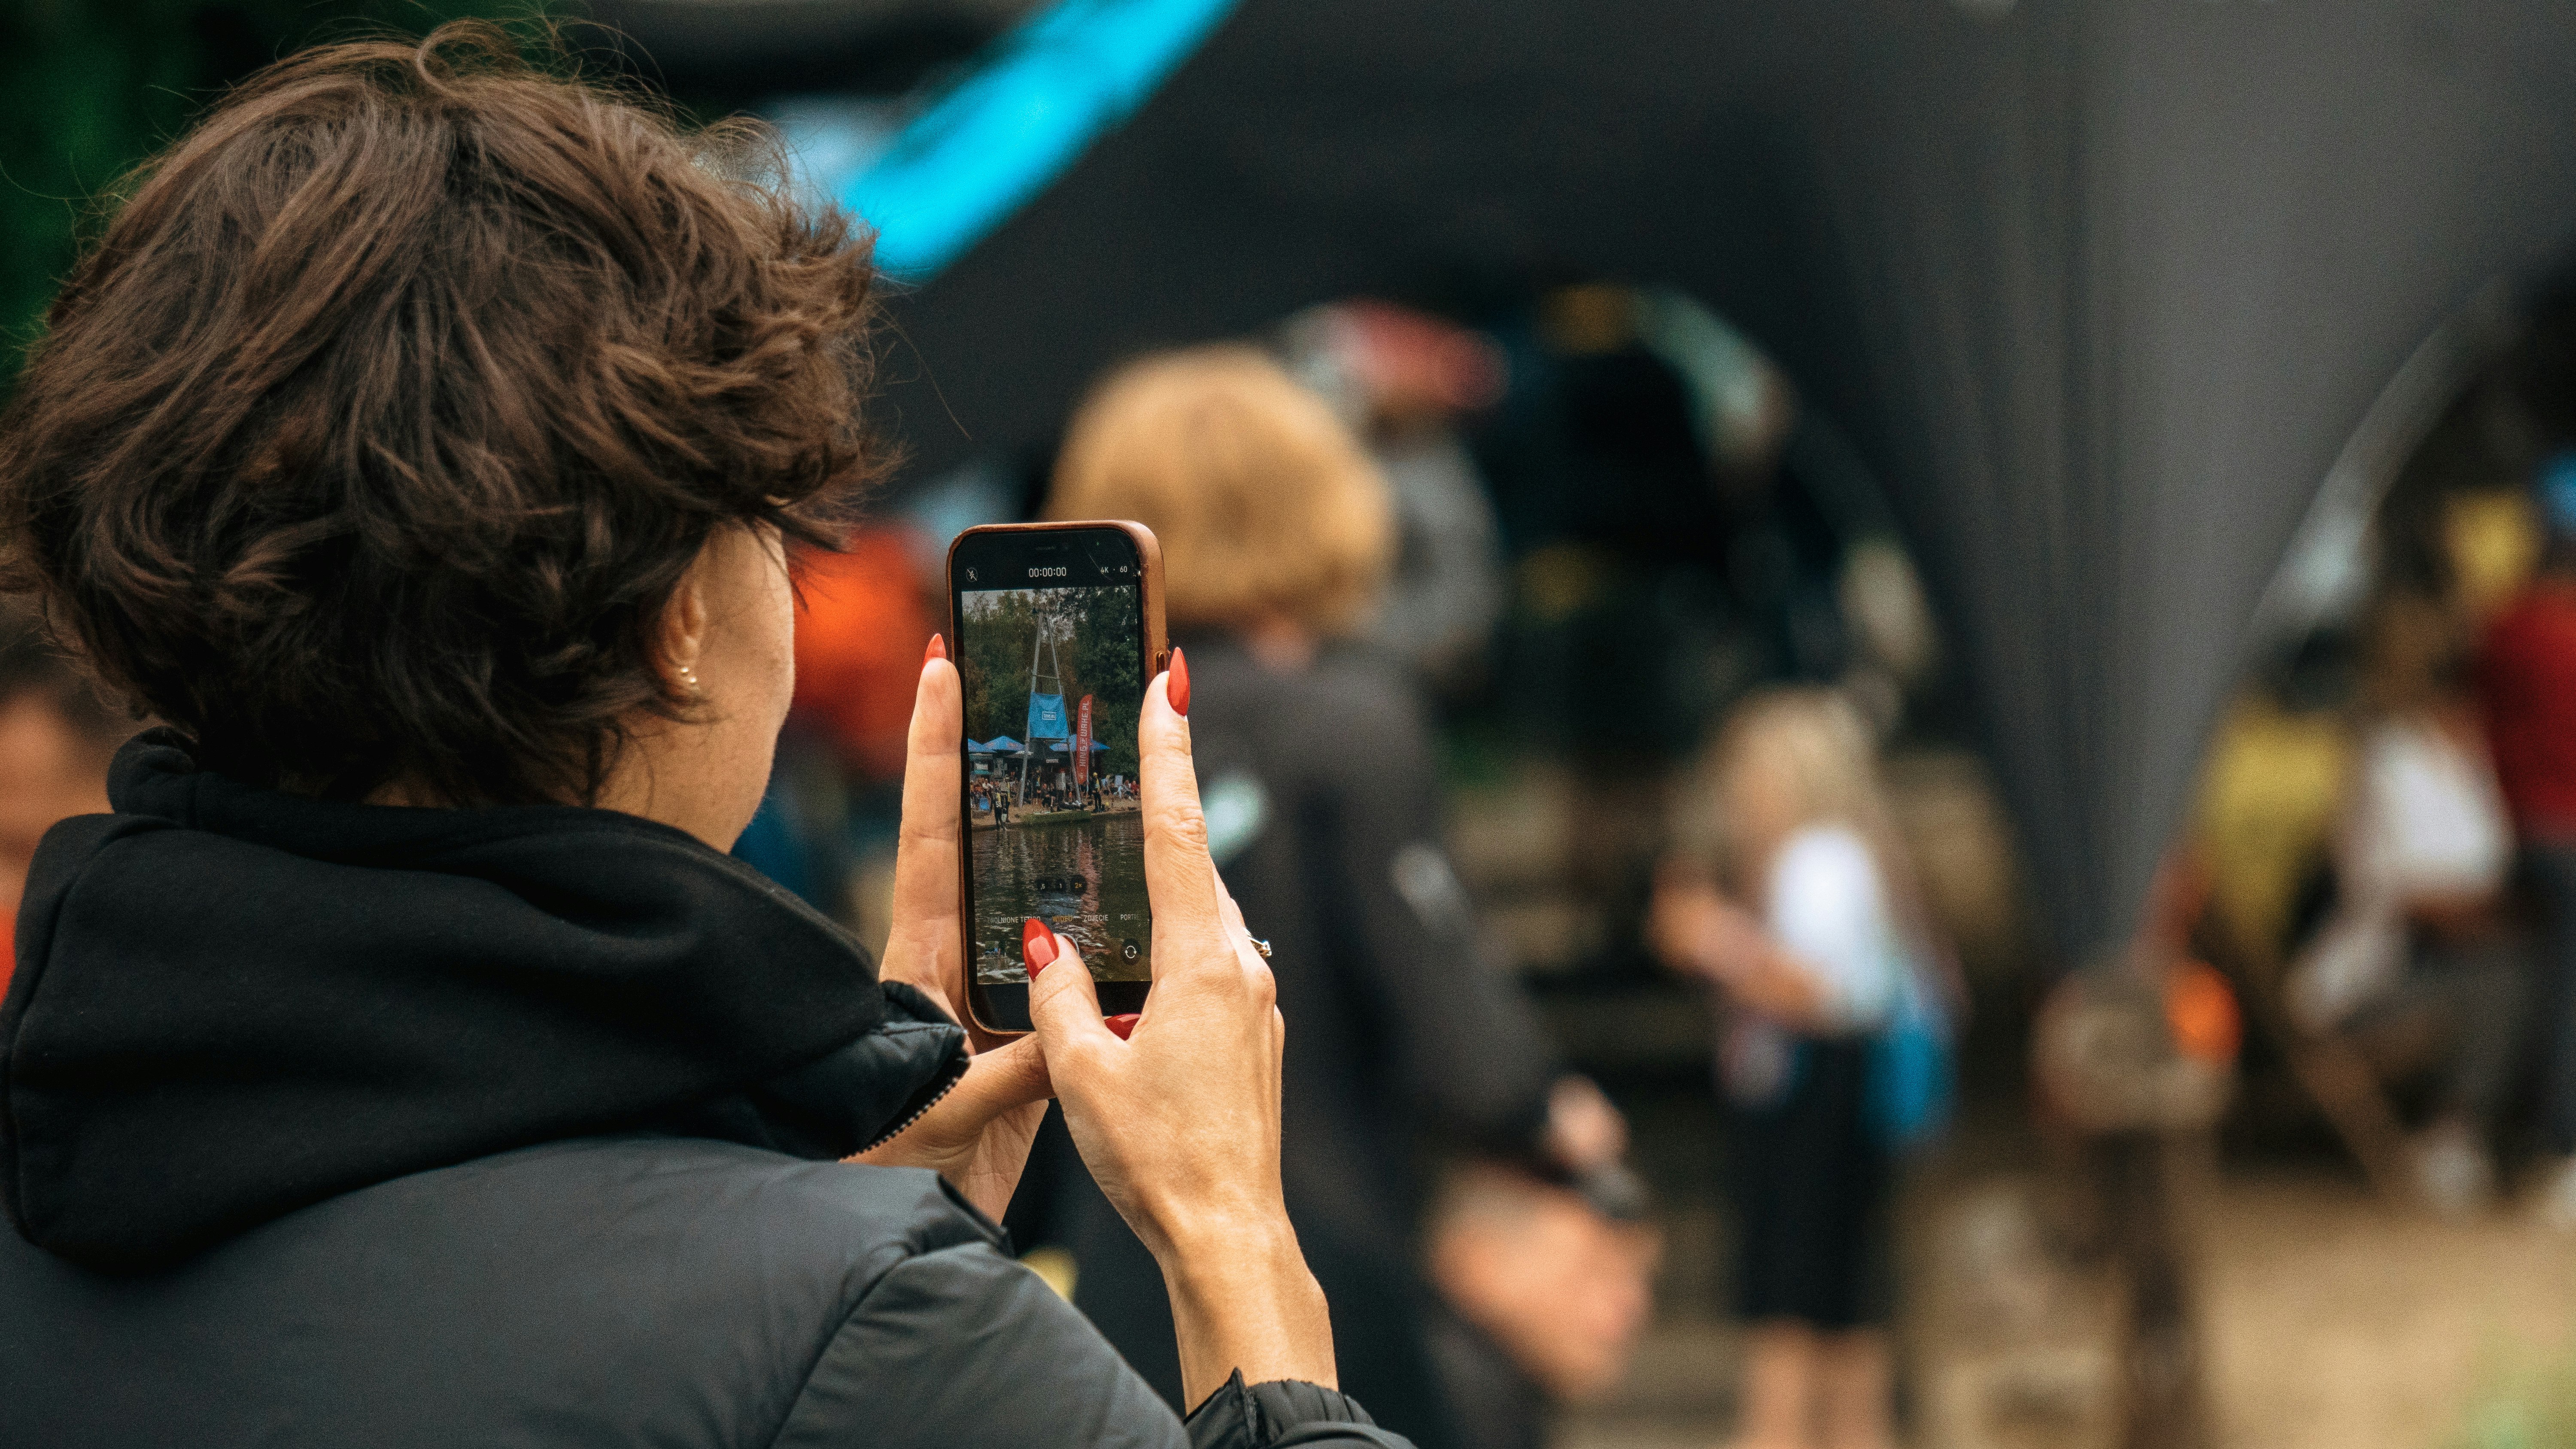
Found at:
(1561, 580)
(2271, 787)
(1588, 320)
(1056, 1266)
(2492, 538)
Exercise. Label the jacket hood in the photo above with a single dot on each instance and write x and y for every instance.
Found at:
(232, 1002)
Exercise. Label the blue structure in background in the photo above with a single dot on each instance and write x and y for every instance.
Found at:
(1037, 100)
(1048, 718)
(950, 175)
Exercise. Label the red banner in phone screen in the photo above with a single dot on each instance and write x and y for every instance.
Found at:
(1082, 744)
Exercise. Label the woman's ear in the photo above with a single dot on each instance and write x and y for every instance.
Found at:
(683, 635)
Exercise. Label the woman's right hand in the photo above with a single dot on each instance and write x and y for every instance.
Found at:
(1179, 1121)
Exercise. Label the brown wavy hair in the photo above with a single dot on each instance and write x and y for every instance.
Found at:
(372, 436)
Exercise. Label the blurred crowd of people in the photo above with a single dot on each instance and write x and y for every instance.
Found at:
(1378, 525)
(1582, 535)
(1602, 529)
(2464, 779)
(1339, 572)
(2389, 818)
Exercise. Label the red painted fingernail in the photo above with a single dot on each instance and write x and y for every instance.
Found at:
(1178, 691)
(938, 649)
(1121, 1024)
(1037, 946)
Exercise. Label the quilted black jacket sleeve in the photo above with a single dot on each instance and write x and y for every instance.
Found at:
(964, 1346)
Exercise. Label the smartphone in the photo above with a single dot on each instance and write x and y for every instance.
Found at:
(1056, 630)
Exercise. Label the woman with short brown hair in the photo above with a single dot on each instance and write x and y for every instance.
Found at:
(403, 1061)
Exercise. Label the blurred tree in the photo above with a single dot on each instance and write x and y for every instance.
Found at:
(94, 86)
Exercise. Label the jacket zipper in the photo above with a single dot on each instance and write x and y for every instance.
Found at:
(956, 1074)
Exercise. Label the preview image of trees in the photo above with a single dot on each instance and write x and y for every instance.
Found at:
(1096, 636)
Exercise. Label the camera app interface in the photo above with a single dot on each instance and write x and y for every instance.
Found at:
(1054, 679)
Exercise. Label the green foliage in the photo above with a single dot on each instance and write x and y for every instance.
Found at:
(92, 87)
(1096, 649)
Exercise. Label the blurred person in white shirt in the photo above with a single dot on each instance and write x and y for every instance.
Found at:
(2422, 858)
(1797, 902)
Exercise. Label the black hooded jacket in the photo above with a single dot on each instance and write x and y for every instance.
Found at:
(334, 1124)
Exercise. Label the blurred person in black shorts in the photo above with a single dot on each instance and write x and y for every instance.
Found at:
(1793, 896)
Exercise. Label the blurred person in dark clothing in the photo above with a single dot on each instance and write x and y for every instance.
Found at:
(1793, 896)
(2527, 678)
(56, 735)
(1323, 807)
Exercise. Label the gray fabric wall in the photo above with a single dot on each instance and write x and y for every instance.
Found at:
(2144, 267)
(2098, 286)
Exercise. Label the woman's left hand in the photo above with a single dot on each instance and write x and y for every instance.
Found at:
(978, 1136)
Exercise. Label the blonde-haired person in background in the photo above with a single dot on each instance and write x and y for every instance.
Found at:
(1275, 525)
(1792, 895)
(1323, 810)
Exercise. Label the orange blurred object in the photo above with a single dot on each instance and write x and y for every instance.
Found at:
(48, 771)
(2201, 1011)
(860, 637)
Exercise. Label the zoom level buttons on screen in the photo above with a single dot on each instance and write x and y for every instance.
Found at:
(1129, 950)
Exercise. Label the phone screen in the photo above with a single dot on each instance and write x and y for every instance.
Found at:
(1052, 651)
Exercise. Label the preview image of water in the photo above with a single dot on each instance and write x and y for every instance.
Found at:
(1085, 878)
